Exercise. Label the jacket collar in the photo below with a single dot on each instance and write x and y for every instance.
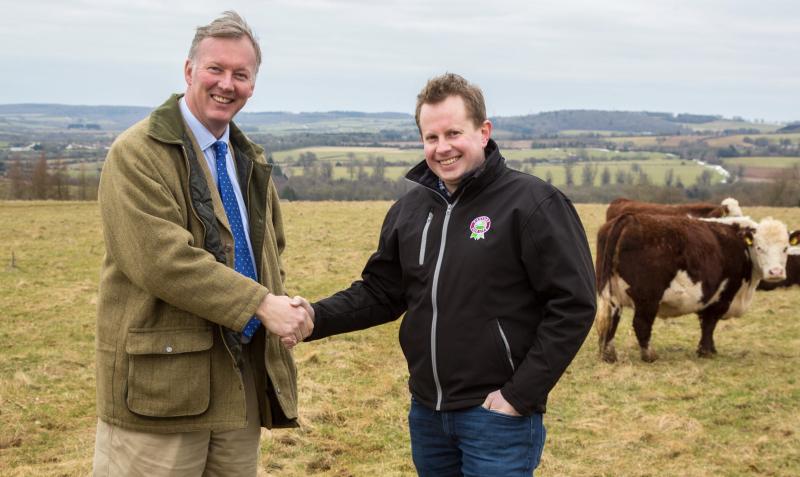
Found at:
(166, 125)
(473, 182)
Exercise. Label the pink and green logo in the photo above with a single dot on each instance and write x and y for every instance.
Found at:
(479, 226)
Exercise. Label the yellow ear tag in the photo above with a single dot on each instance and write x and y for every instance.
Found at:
(748, 241)
(794, 241)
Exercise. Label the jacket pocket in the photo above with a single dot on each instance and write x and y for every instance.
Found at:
(425, 238)
(169, 371)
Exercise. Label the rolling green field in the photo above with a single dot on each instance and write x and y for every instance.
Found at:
(655, 169)
(775, 162)
(585, 132)
(738, 140)
(653, 141)
(588, 153)
(723, 124)
(735, 415)
(654, 164)
(412, 156)
(344, 154)
(338, 125)
(341, 172)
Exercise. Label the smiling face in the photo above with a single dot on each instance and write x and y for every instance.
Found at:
(220, 80)
(453, 144)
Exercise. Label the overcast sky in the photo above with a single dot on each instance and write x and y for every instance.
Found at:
(728, 57)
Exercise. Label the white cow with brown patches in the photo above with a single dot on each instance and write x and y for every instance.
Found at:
(670, 266)
(792, 267)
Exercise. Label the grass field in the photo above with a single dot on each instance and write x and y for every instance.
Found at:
(412, 156)
(344, 154)
(338, 125)
(653, 141)
(735, 415)
(723, 124)
(655, 164)
(341, 172)
(710, 141)
(656, 169)
(588, 153)
(586, 132)
(738, 140)
(776, 162)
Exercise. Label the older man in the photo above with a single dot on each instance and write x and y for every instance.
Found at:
(492, 269)
(191, 305)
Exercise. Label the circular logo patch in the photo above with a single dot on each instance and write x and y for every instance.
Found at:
(479, 226)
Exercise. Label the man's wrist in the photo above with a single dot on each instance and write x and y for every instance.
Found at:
(263, 305)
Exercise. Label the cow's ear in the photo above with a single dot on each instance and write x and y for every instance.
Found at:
(794, 238)
(747, 236)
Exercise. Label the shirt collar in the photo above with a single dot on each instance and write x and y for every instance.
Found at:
(204, 137)
(443, 189)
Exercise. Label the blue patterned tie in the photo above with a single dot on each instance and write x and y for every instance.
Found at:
(242, 262)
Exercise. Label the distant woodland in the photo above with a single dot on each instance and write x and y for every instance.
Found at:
(56, 152)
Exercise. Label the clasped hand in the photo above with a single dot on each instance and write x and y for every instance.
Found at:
(290, 318)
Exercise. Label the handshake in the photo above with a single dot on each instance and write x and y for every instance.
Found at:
(290, 318)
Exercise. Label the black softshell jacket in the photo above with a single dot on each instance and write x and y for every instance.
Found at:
(503, 303)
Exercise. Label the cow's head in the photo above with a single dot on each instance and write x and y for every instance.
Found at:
(769, 244)
(732, 207)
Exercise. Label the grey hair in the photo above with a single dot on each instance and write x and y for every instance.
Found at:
(229, 25)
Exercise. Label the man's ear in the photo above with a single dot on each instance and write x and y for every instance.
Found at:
(187, 71)
(486, 132)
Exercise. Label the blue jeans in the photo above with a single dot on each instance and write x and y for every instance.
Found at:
(474, 442)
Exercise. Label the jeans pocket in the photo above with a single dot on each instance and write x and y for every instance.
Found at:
(495, 412)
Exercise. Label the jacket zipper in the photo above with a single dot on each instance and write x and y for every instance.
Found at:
(425, 237)
(434, 290)
(505, 343)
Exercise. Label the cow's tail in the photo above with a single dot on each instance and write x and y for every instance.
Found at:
(607, 240)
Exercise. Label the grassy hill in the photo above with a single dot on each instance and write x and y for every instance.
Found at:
(736, 414)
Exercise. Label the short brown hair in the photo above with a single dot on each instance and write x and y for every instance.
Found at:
(229, 25)
(450, 84)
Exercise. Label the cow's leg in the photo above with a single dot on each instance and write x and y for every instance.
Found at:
(708, 322)
(643, 319)
(606, 326)
(608, 351)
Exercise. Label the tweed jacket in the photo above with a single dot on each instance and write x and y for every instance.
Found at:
(170, 301)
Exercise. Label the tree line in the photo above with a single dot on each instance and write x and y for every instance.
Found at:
(41, 180)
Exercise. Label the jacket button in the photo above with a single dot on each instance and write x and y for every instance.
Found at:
(168, 349)
(277, 390)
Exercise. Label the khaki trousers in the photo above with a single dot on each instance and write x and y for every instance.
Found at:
(124, 453)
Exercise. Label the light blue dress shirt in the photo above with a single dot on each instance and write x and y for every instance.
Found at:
(206, 140)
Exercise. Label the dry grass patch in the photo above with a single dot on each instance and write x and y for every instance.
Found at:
(735, 415)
